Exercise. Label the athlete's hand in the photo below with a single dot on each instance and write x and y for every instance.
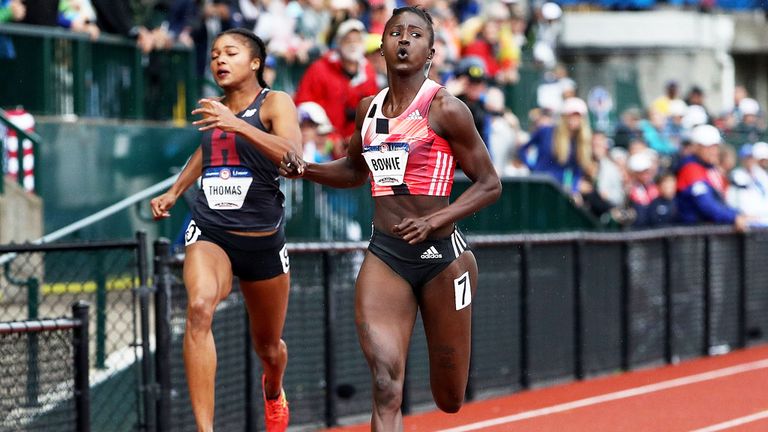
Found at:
(292, 166)
(413, 230)
(215, 115)
(161, 205)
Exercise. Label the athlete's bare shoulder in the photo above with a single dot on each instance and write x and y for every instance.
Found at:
(448, 112)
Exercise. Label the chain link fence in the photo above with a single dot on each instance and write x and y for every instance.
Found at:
(42, 281)
(44, 374)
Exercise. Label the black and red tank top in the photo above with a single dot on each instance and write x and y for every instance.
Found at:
(240, 187)
(404, 154)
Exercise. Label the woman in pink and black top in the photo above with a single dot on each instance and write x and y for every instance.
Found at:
(409, 139)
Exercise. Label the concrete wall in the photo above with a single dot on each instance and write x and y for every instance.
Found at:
(21, 215)
(713, 51)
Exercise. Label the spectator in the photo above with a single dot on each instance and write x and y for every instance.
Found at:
(563, 151)
(374, 57)
(653, 134)
(469, 87)
(41, 12)
(12, 11)
(117, 17)
(315, 128)
(609, 180)
(379, 13)
(78, 16)
(749, 129)
(747, 190)
(547, 28)
(701, 186)
(758, 169)
(340, 78)
(663, 211)
(628, 128)
(662, 103)
(642, 189)
(673, 130)
(503, 133)
(555, 87)
(495, 46)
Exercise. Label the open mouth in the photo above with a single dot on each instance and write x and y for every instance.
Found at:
(222, 73)
(402, 53)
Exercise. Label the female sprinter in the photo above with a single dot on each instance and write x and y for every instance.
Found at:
(237, 226)
(409, 138)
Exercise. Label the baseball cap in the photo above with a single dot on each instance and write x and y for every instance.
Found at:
(760, 150)
(551, 11)
(677, 107)
(349, 26)
(472, 67)
(706, 135)
(574, 105)
(749, 106)
(313, 112)
(639, 162)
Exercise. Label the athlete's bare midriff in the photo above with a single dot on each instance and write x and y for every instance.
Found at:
(390, 210)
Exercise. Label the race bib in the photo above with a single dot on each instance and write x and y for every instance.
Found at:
(225, 188)
(387, 162)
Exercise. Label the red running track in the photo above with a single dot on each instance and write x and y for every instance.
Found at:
(728, 392)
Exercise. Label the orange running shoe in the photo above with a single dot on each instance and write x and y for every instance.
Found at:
(276, 412)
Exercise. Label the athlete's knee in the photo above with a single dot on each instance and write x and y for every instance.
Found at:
(449, 402)
(200, 314)
(387, 389)
(270, 352)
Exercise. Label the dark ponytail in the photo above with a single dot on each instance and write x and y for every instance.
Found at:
(257, 47)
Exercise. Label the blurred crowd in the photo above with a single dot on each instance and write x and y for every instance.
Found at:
(656, 165)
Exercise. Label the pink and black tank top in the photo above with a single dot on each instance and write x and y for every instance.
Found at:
(405, 156)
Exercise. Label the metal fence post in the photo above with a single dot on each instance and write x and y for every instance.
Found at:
(33, 371)
(147, 379)
(525, 252)
(578, 245)
(625, 291)
(101, 312)
(742, 290)
(330, 361)
(667, 269)
(162, 282)
(81, 365)
(707, 296)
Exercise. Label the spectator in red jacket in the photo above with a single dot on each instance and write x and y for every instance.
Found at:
(341, 78)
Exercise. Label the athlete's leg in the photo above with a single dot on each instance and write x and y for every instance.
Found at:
(208, 279)
(446, 310)
(385, 310)
(267, 303)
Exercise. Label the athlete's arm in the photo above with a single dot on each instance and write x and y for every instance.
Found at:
(192, 170)
(452, 120)
(347, 172)
(278, 110)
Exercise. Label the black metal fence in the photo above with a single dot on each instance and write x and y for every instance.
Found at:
(42, 281)
(550, 308)
(44, 383)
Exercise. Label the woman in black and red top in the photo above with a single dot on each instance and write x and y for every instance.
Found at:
(237, 226)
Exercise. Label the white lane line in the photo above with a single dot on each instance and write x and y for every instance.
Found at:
(735, 422)
(623, 394)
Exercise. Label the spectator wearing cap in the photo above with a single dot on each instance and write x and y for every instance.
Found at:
(470, 86)
(701, 186)
(748, 188)
(749, 129)
(642, 189)
(563, 151)
(547, 27)
(315, 133)
(673, 129)
(339, 79)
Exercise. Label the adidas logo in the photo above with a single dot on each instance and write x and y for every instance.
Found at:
(431, 253)
(416, 115)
